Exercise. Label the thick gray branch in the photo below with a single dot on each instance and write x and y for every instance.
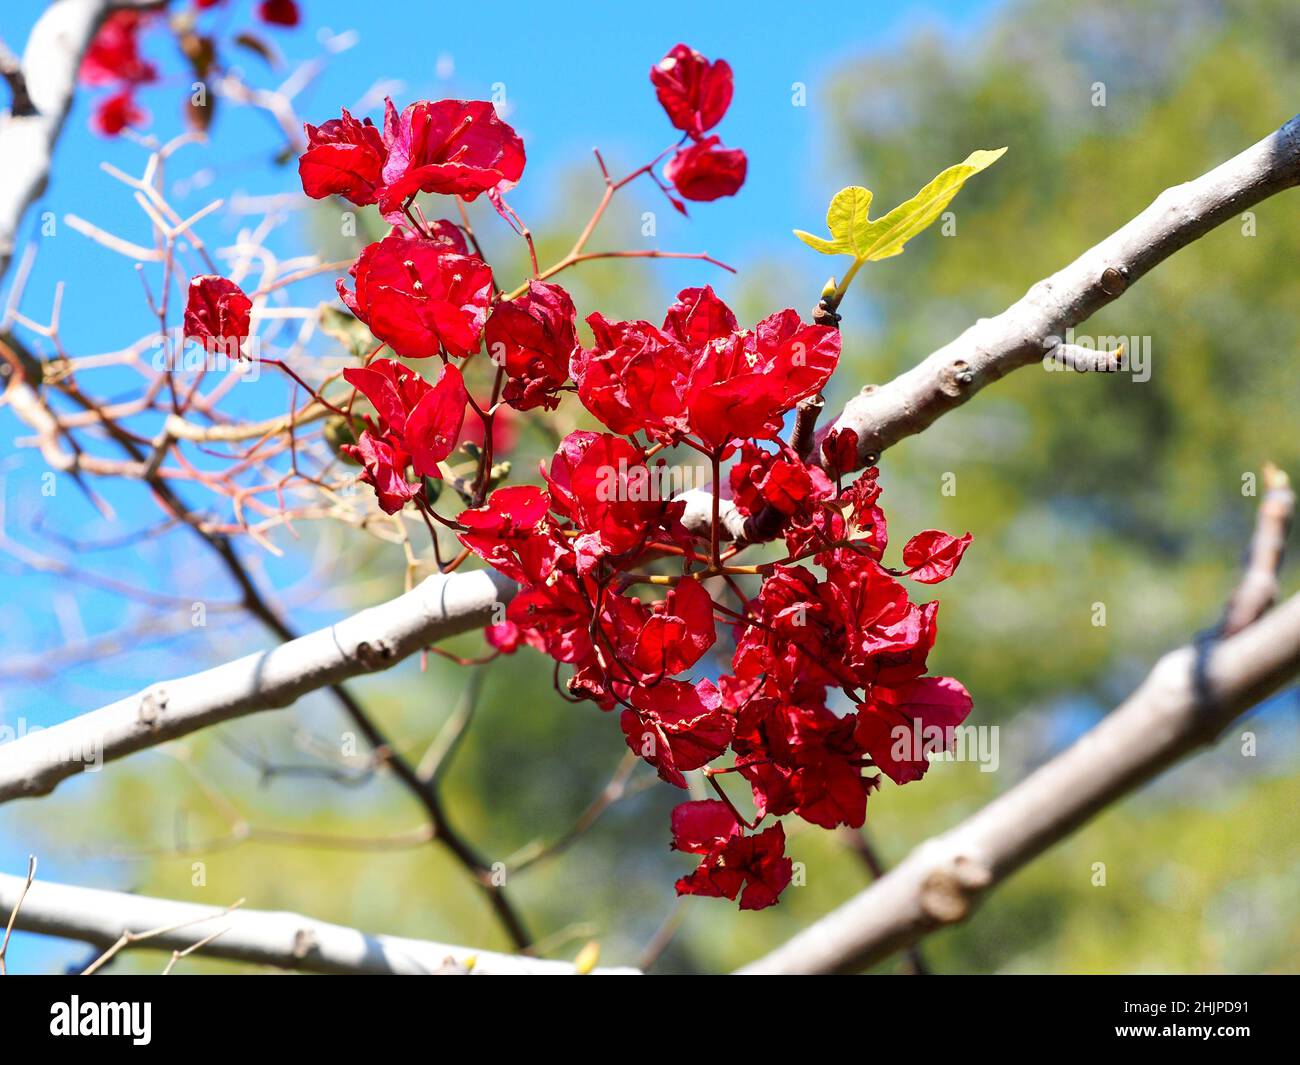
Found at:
(285, 940)
(28, 132)
(1188, 699)
(1028, 330)
(371, 640)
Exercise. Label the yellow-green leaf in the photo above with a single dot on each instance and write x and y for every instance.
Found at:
(826, 247)
(886, 236)
(853, 233)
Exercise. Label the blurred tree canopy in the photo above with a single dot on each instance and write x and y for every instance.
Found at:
(1080, 490)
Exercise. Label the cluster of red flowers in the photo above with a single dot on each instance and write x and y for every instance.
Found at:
(829, 618)
(114, 58)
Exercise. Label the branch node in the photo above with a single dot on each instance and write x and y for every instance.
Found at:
(152, 707)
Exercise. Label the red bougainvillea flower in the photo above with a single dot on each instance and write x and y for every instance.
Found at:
(778, 479)
(699, 373)
(706, 170)
(505, 637)
(424, 419)
(456, 147)
(445, 231)
(533, 338)
(602, 484)
(383, 464)
(900, 726)
(730, 859)
(677, 727)
(114, 113)
(114, 54)
(932, 556)
(703, 827)
(743, 385)
(840, 451)
(217, 313)
(803, 760)
(344, 157)
(634, 378)
(555, 617)
(514, 533)
(694, 92)
(419, 297)
(433, 426)
(279, 12)
(393, 390)
(886, 637)
(678, 632)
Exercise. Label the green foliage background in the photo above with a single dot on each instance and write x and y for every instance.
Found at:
(1079, 490)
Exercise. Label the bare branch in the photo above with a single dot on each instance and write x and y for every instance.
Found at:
(132, 939)
(284, 940)
(1259, 587)
(13, 913)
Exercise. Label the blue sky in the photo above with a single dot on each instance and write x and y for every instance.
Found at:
(574, 75)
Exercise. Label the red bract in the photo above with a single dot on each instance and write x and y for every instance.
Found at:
(703, 827)
(555, 618)
(344, 157)
(533, 338)
(699, 373)
(114, 113)
(706, 170)
(602, 484)
(900, 726)
(677, 727)
(678, 632)
(393, 390)
(634, 378)
(384, 468)
(932, 556)
(419, 297)
(419, 426)
(457, 147)
(445, 231)
(217, 312)
(758, 863)
(886, 637)
(513, 533)
(279, 12)
(694, 92)
(743, 385)
(802, 759)
(840, 451)
(777, 479)
(114, 54)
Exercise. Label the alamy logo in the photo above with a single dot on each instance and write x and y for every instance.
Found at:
(102, 1018)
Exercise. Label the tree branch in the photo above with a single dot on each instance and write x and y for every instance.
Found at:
(1029, 329)
(366, 642)
(285, 940)
(28, 133)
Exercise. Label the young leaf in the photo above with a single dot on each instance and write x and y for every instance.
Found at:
(853, 233)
